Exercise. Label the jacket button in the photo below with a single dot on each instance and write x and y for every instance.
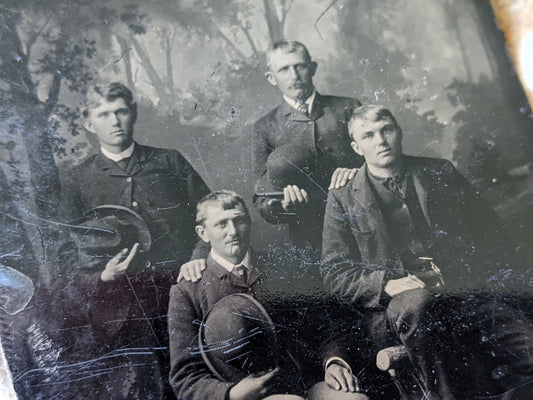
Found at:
(310, 123)
(134, 204)
(128, 179)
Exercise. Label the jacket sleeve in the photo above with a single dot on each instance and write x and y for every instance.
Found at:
(345, 273)
(189, 376)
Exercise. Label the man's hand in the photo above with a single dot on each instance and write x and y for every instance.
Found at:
(341, 176)
(192, 270)
(293, 198)
(338, 377)
(253, 388)
(115, 267)
(397, 286)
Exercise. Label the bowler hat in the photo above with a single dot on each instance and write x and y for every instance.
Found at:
(288, 165)
(237, 338)
(107, 229)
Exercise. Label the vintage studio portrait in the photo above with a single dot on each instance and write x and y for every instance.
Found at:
(266, 200)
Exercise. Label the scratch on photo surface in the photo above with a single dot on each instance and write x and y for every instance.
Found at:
(321, 15)
(198, 152)
(142, 310)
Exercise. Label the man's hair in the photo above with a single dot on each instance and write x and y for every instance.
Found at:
(109, 92)
(380, 112)
(227, 199)
(288, 46)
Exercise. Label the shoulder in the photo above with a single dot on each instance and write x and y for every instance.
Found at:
(430, 163)
(273, 115)
(339, 101)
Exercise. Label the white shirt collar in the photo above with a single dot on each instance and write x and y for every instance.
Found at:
(120, 156)
(246, 261)
(295, 104)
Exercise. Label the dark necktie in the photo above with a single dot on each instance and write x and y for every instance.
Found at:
(396, 185)
(304, 109)
(242, 272)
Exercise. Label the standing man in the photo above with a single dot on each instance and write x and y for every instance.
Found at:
(131, 291)
(401, 236)
(307, 119)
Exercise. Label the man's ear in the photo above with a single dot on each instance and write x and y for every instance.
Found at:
(356, 148)
(202, 233)
(133, 109)
(270, 78)
(87, 125)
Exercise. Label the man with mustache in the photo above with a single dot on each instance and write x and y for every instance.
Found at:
(308, 119)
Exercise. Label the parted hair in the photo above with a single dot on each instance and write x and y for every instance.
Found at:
(108, 91)
(289, 46)
(227, 199)
(380, 112)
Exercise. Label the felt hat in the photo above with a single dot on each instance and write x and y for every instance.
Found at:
(288, 165)
(107, 229)
(237, 338)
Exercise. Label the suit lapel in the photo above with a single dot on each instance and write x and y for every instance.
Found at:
(219, 271)
(422, 183)
(137, 158)
(318, 107)
(108, 166)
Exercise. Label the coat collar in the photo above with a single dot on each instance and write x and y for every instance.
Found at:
(317, 111)
(365, 196)
(220, 272)
(140, 154)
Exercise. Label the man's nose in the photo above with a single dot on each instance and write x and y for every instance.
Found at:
(293, 71)
(380, 138)
(115, 119)
(230, 228)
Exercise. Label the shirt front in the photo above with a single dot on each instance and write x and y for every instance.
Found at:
(296, 104)
(246, 262)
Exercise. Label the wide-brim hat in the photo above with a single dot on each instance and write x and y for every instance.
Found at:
(107, 229)
(288, 165)
(238, 338)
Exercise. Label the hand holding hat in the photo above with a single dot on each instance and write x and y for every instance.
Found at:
(118, 266)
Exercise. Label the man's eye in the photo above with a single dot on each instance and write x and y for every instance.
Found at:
(123, 112)
(103, 115)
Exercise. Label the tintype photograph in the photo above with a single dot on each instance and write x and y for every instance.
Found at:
(266, 199)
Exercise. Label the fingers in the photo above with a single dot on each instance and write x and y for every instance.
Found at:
(116, 259)
(340, 378)
(180, 277)
(334, 177)
(268, 376)
(126, 263)
(293, 196)
(341, 176)
(199, 266)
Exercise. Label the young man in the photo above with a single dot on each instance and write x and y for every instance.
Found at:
(308, 119)
(128, 294)
(402, 233)
(223, 222)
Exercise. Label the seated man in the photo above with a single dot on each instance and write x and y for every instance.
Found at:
(401, 233)
(223, 222)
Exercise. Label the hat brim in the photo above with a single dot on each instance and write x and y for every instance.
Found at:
(107, 229)
(245, 306)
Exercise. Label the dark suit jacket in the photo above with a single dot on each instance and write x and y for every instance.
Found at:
(159, 184)
(357, 251)
(325, 132)
(130, 311)
(189, 303)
